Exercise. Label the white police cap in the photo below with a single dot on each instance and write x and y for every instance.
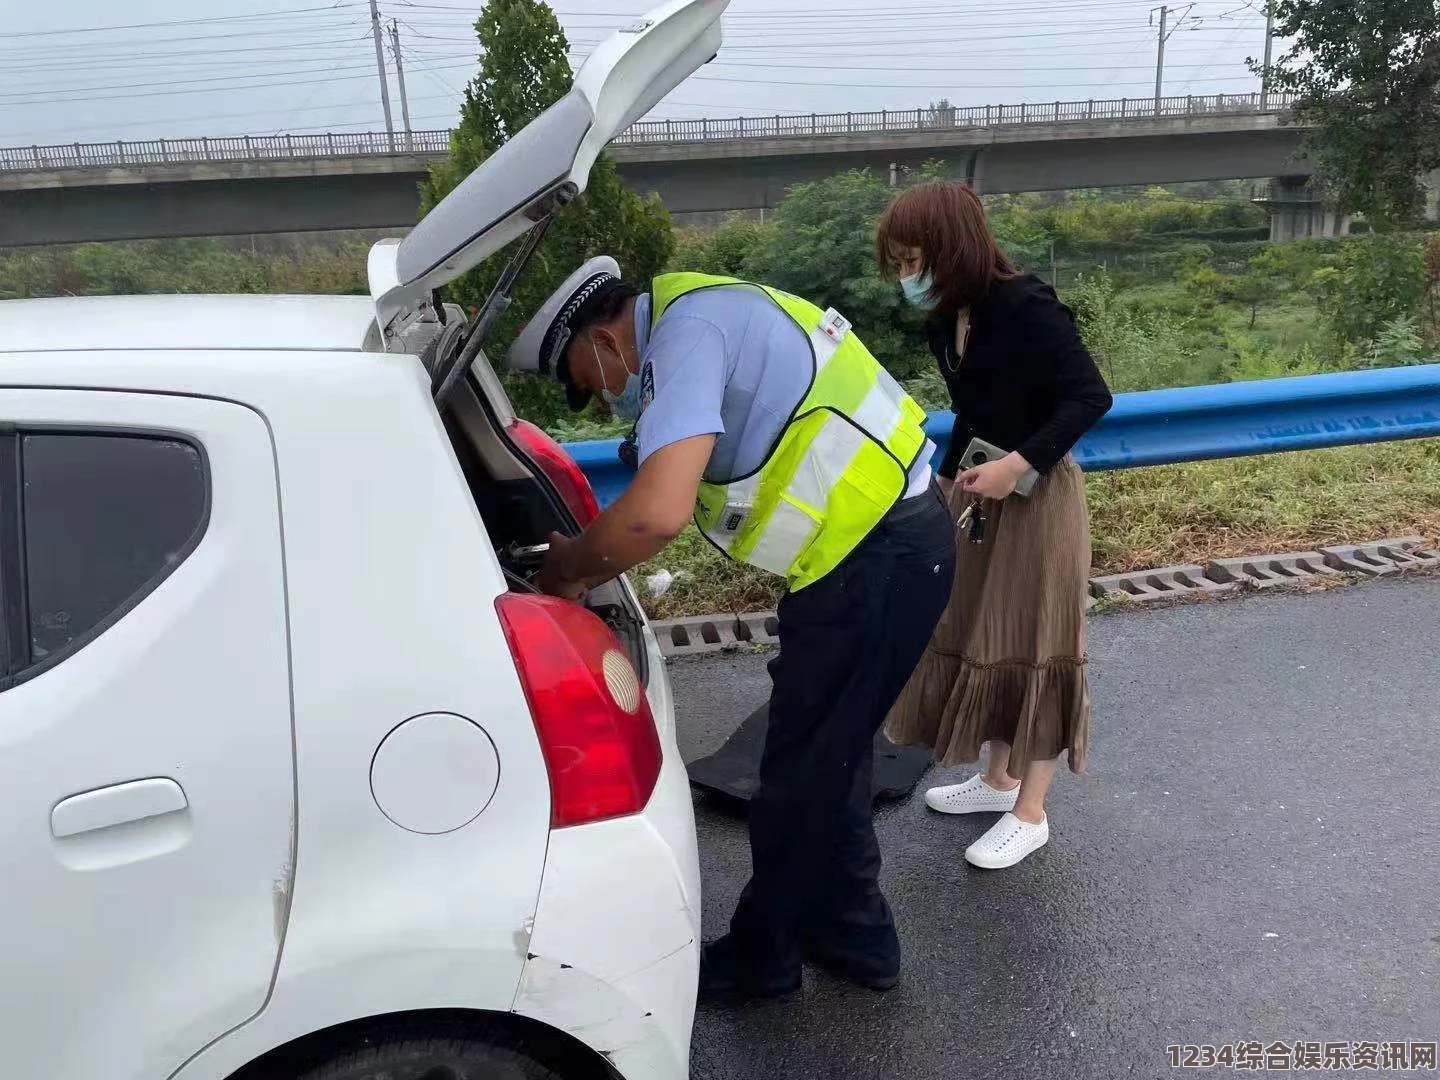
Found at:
(542, 342)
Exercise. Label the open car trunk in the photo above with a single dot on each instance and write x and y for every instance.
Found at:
(524, 485)
(520, 505)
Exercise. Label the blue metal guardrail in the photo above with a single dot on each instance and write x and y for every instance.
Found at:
(1160, 427)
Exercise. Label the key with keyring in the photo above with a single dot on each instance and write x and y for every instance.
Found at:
(973, 517)
(977, 523)
(964, 518)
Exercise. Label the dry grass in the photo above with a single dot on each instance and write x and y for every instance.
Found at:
(1144, 518)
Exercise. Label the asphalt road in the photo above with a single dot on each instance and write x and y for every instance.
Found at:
(1253, 853)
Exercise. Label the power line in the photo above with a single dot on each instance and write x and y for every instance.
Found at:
(189, 90)
(710, 105)
(25, 137)
(797, 13)
(916, 43)
(179, 66)
(186, 85)
(958, 68)
(308, 106)
(890, 17)
(339, 4)
(852, 85)
(149, 44)
(309, 46)
(768, 44)
(167, 65)
(836, 17)
(426, 70)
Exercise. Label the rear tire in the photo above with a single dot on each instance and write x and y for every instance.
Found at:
(431, 1057)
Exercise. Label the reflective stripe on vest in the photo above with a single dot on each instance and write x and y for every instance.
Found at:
(838, 466)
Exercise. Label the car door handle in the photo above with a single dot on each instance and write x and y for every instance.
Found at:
(116, 805)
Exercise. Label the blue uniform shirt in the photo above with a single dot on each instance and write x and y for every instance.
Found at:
(726, 361)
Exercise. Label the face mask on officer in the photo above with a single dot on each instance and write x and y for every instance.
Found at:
(625, 404)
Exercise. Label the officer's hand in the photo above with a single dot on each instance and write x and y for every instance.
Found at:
(554, 571)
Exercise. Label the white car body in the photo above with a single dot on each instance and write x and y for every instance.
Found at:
(345, 583)
(290, 788)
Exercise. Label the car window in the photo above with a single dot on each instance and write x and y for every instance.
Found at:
(104, 519)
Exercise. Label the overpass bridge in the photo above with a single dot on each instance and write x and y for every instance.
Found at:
(291, 183)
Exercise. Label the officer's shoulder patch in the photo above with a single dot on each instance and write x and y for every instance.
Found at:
(647, 385)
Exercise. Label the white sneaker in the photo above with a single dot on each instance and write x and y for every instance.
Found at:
(1007, 842)
(974, 796)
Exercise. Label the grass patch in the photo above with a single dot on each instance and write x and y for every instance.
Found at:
(1144, 518)
(1174, 514)
(710, 584)
(1286, 327)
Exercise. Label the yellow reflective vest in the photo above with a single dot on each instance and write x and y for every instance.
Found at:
(840, 464)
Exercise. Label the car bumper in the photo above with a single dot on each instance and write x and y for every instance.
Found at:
(614, 953)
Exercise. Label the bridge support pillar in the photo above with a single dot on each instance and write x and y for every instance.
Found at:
(1431, 180)
(1298, 212)
(975, 170)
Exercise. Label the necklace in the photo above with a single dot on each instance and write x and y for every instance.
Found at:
(962, 339)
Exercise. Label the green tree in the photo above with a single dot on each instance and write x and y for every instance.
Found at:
(1367, 73)
(822, 247)
(1397, 343)
(523, 71)
(1022, 235)
(1292, 265)
(1136, 350)
(1373, 282)
(723, 251)
(1255, 287)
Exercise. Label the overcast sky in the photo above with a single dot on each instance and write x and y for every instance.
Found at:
(69, 72)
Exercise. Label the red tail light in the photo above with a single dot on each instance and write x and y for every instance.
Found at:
(599, 740)
(550, 457)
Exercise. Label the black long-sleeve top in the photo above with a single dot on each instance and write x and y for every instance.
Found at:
(1026, 381)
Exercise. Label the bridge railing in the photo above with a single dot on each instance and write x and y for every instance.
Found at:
(224, 148)
(645, 132)
(1160, 427)
(951, 117)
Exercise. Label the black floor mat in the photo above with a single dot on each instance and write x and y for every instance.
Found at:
(733, 770)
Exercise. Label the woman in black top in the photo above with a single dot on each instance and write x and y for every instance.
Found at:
(1006, 666)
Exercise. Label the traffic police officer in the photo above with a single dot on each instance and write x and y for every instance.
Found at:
(794, 450)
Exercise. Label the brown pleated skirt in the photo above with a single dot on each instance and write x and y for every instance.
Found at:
(1007, 661)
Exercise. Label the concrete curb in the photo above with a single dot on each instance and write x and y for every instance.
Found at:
(1165, 584)
(1268, 571)
(714, 633)
(1382, 557)
(697, 634)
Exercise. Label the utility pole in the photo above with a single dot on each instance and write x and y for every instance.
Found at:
(1269, 45)
(380, 67)
(1159, 58)
(400, 77)
(1166, 29)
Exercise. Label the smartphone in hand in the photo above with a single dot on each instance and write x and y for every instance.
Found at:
(979, 452)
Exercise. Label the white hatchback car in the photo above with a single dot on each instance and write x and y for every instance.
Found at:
(303, 778)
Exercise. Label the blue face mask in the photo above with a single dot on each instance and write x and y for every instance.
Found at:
(917, 288)
(625, 404)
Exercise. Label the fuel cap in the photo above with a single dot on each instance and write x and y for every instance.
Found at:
(434, 773)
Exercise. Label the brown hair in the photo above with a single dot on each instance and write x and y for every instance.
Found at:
(946, 220)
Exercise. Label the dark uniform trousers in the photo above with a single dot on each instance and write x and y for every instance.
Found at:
(848, 644)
